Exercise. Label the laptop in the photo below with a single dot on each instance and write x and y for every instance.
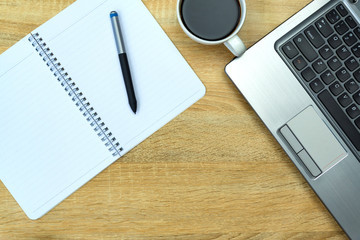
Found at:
(303, 80)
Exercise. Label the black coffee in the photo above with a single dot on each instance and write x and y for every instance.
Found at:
(211, 20)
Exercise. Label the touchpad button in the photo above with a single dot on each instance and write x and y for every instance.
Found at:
(317, 139)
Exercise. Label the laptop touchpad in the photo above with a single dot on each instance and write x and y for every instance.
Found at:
(313, 142)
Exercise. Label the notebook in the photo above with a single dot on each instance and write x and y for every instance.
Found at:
(65, 116)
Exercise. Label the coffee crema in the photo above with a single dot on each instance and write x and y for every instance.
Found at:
(211, 20)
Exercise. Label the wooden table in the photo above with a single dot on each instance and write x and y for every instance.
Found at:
(215, 172)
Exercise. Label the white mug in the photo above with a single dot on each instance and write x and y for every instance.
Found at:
(232, 41)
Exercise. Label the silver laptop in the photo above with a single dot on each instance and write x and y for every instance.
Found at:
(303, 80)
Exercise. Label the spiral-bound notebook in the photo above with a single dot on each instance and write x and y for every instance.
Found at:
(65, 116)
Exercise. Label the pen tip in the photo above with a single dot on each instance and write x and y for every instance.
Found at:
(134, 108)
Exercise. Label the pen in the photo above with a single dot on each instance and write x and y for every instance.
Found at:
(123, 60)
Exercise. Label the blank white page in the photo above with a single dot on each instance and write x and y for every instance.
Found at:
(164, 83)
(46, 146)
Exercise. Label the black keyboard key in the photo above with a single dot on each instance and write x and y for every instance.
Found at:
(334, 63)
(341, 27)
(314, 37)
(345, 100)
(350, 21)
(342, 10)
(334, 41)
(326, 52)
(290, 50)
(333, 16)
(300, 63)
(357, 122)
(351, 86)
(319, 66)
(357, 32)
(308, 74)
(353, 111)
(343, 74)
(356, 50)
(324, 27)
(357, 97)
(327, 77)
(357, 75)
(351, 64)
(317, 85)
(305, 47)
(350, 39)
(336, 88)
(343, 53)
(340, 117)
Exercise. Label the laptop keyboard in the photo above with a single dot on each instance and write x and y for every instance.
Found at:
(325, 54)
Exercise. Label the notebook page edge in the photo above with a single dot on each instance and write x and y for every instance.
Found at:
(67, 192)
(67, 17)
(164, 120)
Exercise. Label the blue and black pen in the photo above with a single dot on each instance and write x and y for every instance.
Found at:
(124, 63)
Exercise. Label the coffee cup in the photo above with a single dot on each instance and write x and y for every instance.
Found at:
(213, 22)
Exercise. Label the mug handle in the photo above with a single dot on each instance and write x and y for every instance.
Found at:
(236, 46)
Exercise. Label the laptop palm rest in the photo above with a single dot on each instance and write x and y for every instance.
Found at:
(313, 142)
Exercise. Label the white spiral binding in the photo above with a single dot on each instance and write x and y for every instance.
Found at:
(77, 97)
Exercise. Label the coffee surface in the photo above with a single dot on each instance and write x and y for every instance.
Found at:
(211, 20)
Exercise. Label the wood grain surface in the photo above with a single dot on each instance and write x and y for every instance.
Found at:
(215, 172)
